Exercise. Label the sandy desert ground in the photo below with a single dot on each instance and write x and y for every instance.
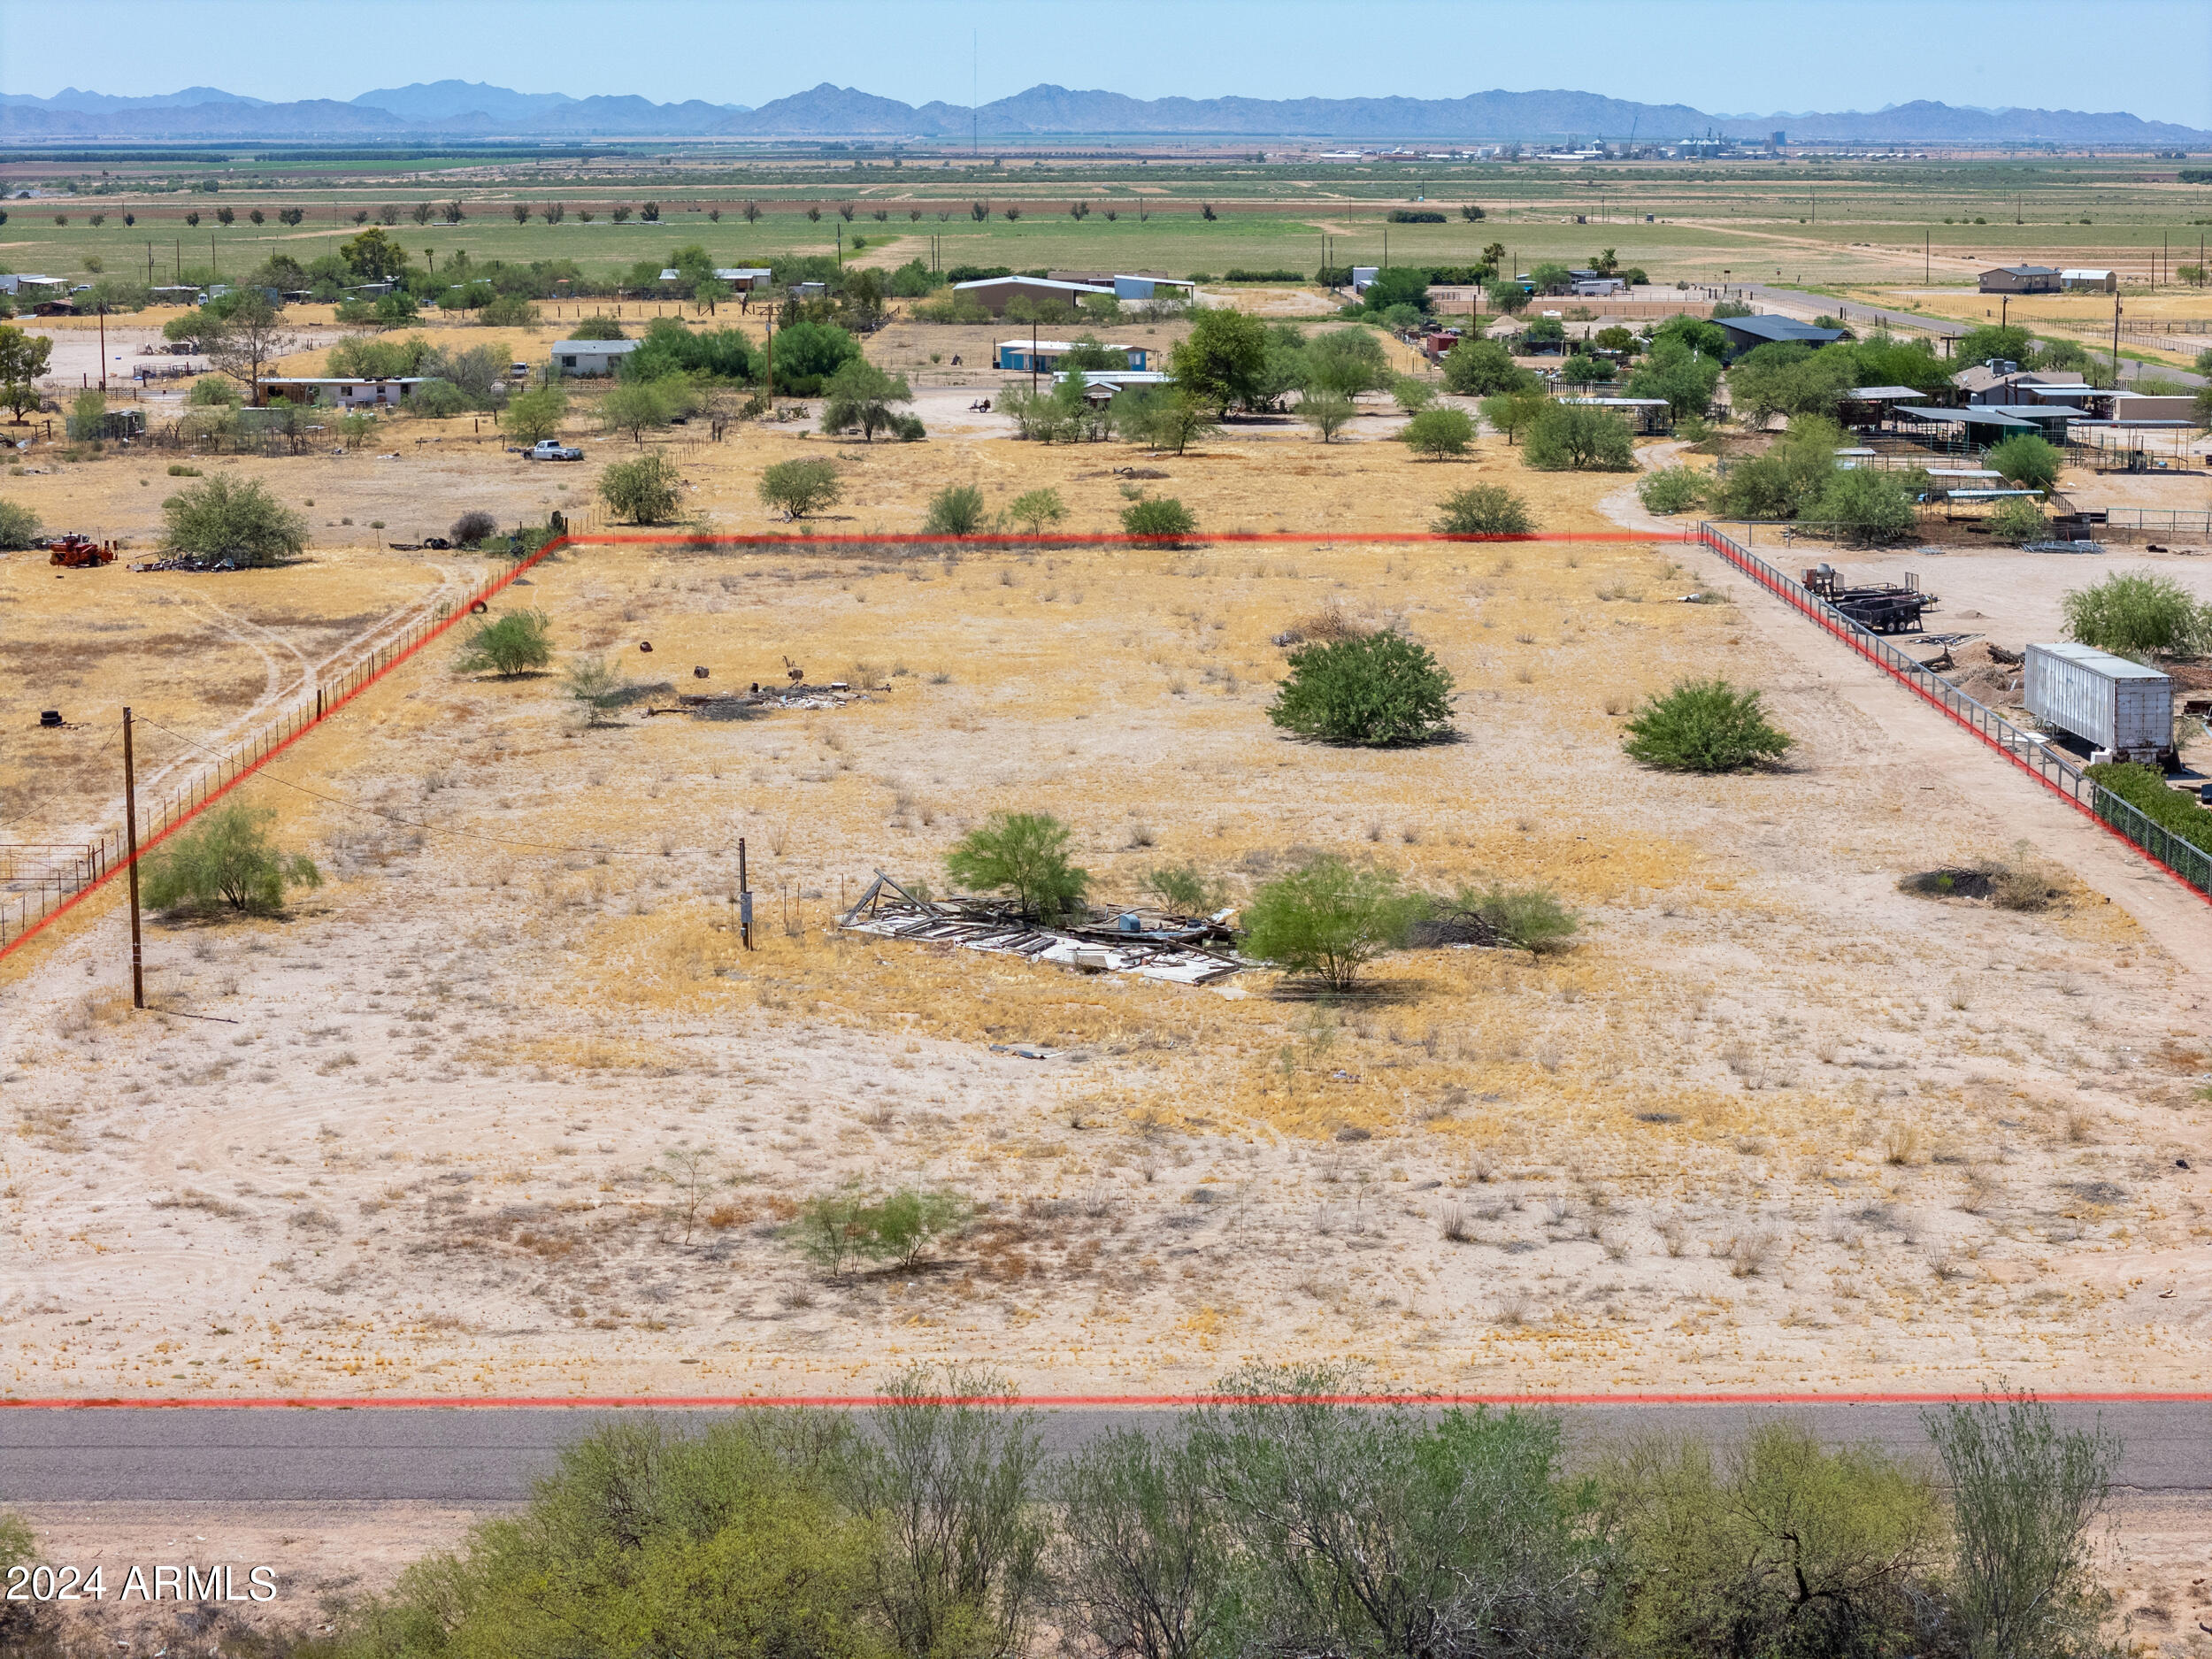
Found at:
(504, 1108)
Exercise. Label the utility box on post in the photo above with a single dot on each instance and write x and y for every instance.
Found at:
(2122, 709)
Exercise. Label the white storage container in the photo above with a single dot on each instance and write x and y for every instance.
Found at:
(2122, 709)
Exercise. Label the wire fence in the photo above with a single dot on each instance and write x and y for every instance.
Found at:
(2029, 751)
(40, 881)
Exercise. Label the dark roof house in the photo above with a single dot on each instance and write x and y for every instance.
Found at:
(1744, 332)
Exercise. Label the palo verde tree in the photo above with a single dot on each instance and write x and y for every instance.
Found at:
(861, 394)
(798, 489)
(2137, 614)
(227, 862)
(507, 645)
(1330, 919)
(1026, 855)
(228, 517)
(956, 509)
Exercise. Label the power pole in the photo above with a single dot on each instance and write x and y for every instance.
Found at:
(744, 899)
(130, 853)
(2115, 339)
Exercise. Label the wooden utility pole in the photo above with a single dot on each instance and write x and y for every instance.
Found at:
(744, 899)
(130, 853)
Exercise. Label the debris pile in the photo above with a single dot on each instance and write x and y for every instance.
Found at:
(1182, 950)
(734, 705)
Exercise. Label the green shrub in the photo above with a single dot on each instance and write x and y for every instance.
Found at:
(508, 311)
(1671, 489)
(2139, 615)
(2018, 520)
(1438, 432)
(956, 509)
(439, 399)
(1330, 919)
(1531, 918)
(1704, 725)
(644, 489)
(1161, 519)
(1482, 510)
(226, 860)
(1477, 368)
(1186, 889)
(18, 526)
(1789, 1548)
(1412, 393)
(514, 644)
(636, 407)
(836, 1229)
(2025, 1494)
(2028, 460)
(1865, 505)
(2145, 788)
(216, 390)
(801, 488)
(1328, 413)
(1025, 853)
(226, 517)
(1037, 508)
(734, 1539)
(597, 329)
(535, 415)
(1569, 437)
(598, 686)
(1379, 691)
(178, 469)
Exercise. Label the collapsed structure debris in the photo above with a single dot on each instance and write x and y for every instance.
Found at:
(1151, 944)
(737, 705)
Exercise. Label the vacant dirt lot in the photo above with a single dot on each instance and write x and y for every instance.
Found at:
(501, 1108)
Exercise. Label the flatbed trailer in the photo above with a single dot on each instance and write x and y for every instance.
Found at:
(1878, 607)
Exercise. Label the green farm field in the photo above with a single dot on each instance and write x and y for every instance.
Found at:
(1820, 224)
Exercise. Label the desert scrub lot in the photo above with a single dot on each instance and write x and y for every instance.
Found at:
(505, 1110)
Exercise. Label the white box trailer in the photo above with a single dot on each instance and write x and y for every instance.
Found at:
(2122, 709)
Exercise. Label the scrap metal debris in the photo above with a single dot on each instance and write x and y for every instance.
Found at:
(1153, 945)
(737, 705)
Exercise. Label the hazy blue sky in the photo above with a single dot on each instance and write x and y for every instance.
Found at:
(1727, 57)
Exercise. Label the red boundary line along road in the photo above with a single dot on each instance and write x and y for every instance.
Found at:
(731, 1402)
(1714, 541)
(784, 543)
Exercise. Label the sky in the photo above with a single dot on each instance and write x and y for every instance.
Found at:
(2151, 58)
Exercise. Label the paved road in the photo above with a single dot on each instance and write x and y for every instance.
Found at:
(1804, 307)
(491, 1454)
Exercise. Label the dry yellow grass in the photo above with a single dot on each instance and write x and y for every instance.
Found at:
(433, 1154)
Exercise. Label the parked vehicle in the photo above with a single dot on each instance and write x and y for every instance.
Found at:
(553, 449)
(79, 552)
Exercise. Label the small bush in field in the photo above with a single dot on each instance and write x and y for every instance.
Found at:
(1704, 726)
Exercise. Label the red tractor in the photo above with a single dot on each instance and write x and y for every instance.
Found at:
(80, 552)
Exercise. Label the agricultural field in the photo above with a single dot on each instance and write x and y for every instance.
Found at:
(1816, 223)
(502, 1106)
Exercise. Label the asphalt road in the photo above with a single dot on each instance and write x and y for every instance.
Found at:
(1804, 307)
(491, 1454)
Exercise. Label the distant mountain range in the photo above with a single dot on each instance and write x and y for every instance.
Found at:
(472, 110)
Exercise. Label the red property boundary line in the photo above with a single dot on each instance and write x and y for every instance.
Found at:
(1749, 563)
(1050, 1402)
(781, 543)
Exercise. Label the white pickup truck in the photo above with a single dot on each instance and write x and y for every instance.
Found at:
(552, 449)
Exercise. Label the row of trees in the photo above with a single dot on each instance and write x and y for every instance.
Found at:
(1267, 1522)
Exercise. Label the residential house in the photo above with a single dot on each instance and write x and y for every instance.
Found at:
(341, 391)
(1042, 357)
(590, 356)
(1746, 333)
(2021, 278)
